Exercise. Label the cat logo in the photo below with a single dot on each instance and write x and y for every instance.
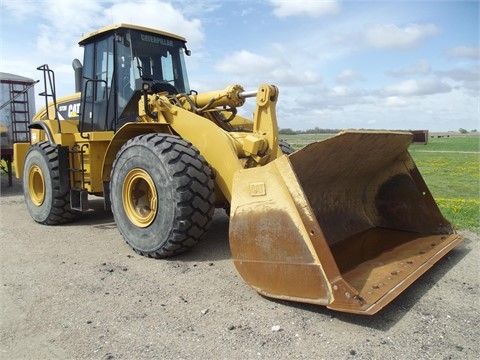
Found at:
(73, 110)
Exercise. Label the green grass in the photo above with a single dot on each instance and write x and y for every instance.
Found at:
(299, 141)
(450, 165)
(452, 143)
(451, 169)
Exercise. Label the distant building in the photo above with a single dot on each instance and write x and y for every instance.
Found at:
(17, 106)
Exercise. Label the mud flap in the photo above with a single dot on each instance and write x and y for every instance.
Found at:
(347, 222)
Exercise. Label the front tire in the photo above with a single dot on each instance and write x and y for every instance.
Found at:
(41, 187)
(161, 194)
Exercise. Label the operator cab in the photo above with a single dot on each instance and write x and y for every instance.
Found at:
(117, 60)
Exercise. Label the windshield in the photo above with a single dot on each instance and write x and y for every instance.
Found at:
(151, 57)
(146, 57)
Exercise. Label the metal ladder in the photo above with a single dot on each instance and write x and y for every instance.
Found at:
(20, 114)
(20, 111)
(76, 175)
(78, 196)
(19, 120)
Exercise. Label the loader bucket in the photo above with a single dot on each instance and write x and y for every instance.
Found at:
(347, 222)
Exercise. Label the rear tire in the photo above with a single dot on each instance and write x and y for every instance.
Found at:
(41, 187)
(161, 194)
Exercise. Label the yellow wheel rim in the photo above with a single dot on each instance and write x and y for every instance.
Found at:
(139, 198)
(36, 185)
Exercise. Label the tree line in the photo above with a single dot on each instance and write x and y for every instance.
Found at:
(318, 130)
(315, 130)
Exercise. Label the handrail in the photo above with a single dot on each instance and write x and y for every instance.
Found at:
(51, 81)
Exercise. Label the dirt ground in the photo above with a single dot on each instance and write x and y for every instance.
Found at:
(79, 292)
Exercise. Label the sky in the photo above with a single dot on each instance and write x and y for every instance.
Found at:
(338, 64)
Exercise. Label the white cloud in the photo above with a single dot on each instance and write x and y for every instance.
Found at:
(460, 74)
(348, 76)
(340, 91)
(395, 101)
(159, 15)
(286, 8)
(21, 9)
(421, 67)
(287, 76)
(59, 37)
(250, 69)
(416, 87)
(390, 36)
(468, 52)
(245, 62)
(336, 98)
(196, 8)
(467, 79)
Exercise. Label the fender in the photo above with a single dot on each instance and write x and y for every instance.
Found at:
(125, 133)
(40, 125)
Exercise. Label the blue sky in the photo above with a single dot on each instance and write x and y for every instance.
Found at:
(338, 64)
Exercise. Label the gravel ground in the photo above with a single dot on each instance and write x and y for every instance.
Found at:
(79, 292)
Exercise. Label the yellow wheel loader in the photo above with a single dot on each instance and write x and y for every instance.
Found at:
(347, 222)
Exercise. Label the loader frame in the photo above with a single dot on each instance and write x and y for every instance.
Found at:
(347, 222)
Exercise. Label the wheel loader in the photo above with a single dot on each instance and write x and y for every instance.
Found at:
(347, 222)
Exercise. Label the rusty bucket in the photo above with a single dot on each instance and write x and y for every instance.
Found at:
(347, 222)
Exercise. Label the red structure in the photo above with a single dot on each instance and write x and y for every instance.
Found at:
(17, 102)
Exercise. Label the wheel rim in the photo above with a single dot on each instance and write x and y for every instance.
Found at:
(139, 197)
(36, 185)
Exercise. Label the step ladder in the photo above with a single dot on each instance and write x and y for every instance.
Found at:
(20, 113)
(78, 194)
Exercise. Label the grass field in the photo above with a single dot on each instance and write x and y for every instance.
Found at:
(450, 165)
(451, 169)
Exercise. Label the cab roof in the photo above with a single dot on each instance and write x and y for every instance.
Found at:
(110, 28)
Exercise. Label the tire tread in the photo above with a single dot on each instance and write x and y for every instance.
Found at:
(192, 182)
(61, 212)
